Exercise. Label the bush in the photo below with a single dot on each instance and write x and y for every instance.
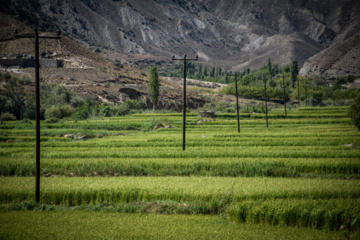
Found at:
(25, 121)
(77, 101)
(60, 112)
(315, 98)
(354, 112)
(8, 117)
(130, 105)
(151, 125)
(52, 112)
(84, 111)
(218, 106)
(231, 110)
(272, 82)
(66, 110)
(107, 110)
(51, 120)
(350, 78)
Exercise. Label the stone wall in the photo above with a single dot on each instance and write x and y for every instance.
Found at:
(51, 63)
(21, 62)
(30, 62)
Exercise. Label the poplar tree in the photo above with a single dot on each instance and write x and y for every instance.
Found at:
(269, 66)
(154, 86)
(204, 72)
(293, 72)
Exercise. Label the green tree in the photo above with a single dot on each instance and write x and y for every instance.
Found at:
(15, 97)
(269, 66)
(350, 78)
(212, 72)
(293, 72)
(272, 82)
(275, 69)
(354, 112)
(154, 86)
(285, 69)
(205, 73)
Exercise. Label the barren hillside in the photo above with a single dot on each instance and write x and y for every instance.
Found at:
(339, 59)
(89, 74)
(238, 34)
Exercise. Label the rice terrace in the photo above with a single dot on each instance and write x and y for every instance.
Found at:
(157, 119)
(301, 173)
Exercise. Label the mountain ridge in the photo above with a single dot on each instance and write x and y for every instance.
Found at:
(232, 34)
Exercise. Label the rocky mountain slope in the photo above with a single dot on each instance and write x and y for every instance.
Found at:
(339, 59)
(85, 73)
(238, 34)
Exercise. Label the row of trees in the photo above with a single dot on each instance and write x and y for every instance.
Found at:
(17, 101)
(200, 72)
(313, 91)
(217, 74)
(58, 103)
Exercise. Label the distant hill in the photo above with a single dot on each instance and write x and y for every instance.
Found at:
(339, 59)
(86, 73)
(233, 34)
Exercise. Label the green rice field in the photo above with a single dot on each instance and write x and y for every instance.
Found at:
(301, 174)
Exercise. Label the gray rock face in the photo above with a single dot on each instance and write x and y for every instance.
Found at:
(338, 60)
(206, 114)
(241, 34)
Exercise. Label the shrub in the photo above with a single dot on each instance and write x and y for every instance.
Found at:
(85, 111)
(77, 101)
(53, 112)
(272, 82)
(231, 110)
(8, 117)
(66, 110)
(151, 125)
(107, 110)
(354, 112)
(350, 78)
(51, 120)
(131, 105)
(26, 121)
(315, 98)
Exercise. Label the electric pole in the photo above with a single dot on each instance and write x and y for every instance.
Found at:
(184, 95)
(237, 101)
(267, 125)
(298, 92)
(36, 37)
(284, 94)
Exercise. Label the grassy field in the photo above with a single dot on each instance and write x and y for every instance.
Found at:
(99, 225)
(302, 172)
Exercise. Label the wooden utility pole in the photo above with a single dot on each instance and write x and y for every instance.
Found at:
(237, 101)
(267, 125)
(37, 104)
(298, 92)
(284, 94)
(184, 95)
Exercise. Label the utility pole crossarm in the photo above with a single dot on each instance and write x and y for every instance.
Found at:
(29, 35)
(181, 59)
(32, 36)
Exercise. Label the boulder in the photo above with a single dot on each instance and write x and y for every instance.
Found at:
(206, 114)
